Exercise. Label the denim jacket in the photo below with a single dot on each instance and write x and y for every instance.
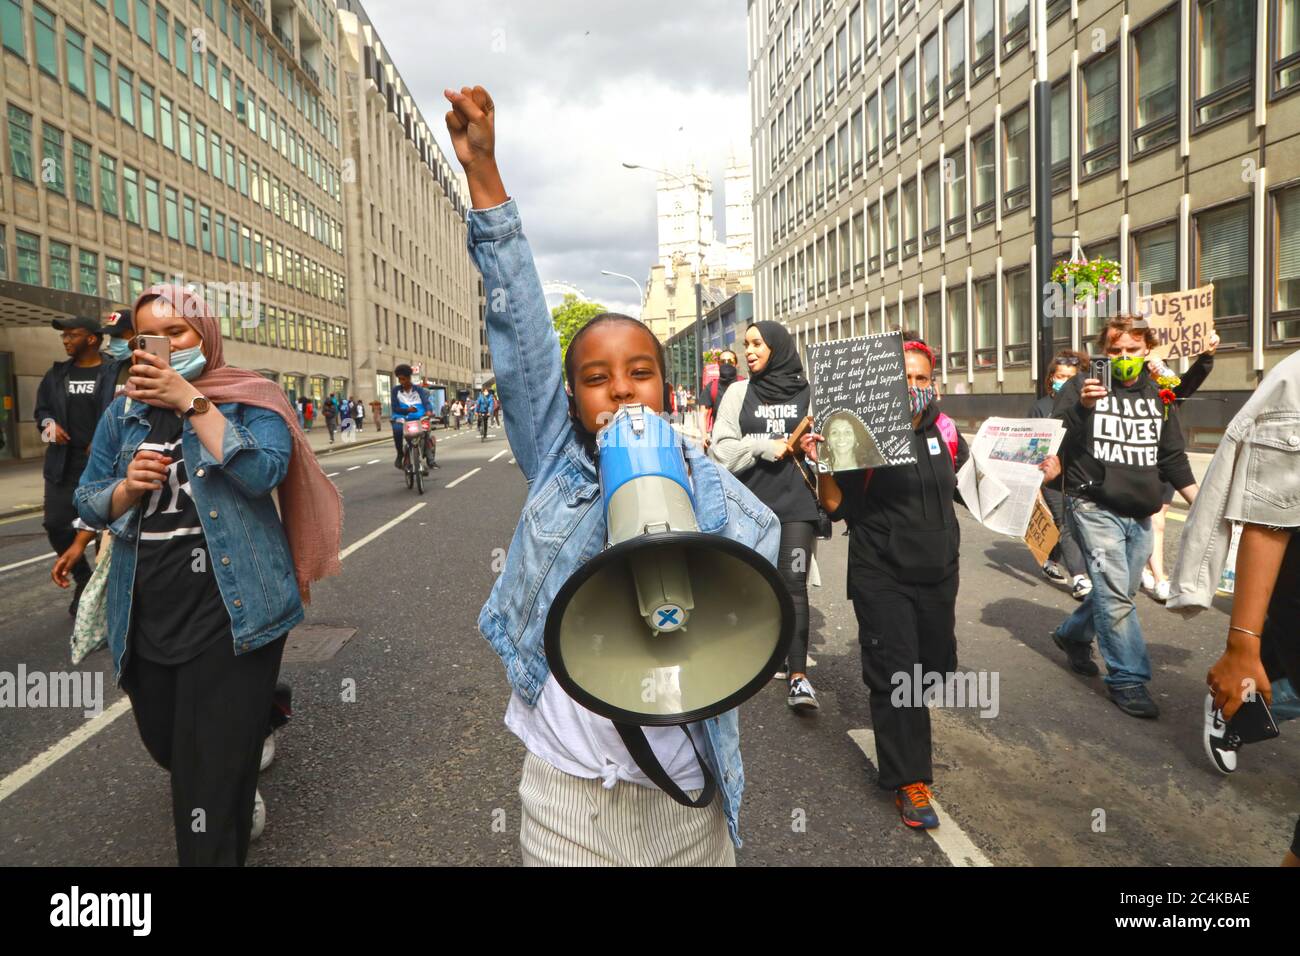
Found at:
(246, 541)
(563, 521)
(1253, 478)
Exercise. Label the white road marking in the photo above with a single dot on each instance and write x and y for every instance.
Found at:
(373, 461)
(333, 473)
(19, 564)
(463, 477)
(380, 530)
(954, 843)
(1171, 513)
(354, 468)
(503, 451)
(43, 761)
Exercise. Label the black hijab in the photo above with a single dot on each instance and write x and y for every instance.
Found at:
(782, 379)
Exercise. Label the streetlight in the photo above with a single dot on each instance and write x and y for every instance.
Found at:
(697, 371)
(1042, 185)
(640, 296)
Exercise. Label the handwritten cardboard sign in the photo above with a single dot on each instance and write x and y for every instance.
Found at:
(1041, 535)
(1182, 321)
(860, 402)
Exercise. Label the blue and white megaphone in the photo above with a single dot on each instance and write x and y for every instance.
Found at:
(667, 625)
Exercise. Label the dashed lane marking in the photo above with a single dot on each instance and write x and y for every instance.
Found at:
(463, 477)
(952, 840)
(373, 461)
(354, 468)
(503, 451)
(19, 564)
(333, 473)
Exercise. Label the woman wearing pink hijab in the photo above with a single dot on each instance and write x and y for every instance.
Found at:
(206, 575)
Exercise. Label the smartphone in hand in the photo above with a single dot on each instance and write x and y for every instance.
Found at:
(157, 345)
(1100, 370)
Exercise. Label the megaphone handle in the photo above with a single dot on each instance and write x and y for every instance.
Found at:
(637, 745)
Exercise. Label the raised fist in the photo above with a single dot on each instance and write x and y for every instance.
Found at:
(471, 122)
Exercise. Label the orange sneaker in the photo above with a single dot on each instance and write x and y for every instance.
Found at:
(913, 802)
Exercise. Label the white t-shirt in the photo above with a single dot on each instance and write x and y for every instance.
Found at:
(575, 741)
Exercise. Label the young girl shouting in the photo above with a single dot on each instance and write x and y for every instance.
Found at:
(584, 799)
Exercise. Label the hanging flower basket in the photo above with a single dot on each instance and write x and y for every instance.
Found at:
(1088, 280)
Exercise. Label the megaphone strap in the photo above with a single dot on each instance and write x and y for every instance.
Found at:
(635, 740)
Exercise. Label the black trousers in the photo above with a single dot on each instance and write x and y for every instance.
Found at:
(60, 513)
(205, 722)
(900, 626)
(793, 561)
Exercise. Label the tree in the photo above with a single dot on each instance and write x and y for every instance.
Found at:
(571, 315)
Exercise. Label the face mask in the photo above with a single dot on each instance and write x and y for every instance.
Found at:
(118, 348)
(1056, 385)
(920, 398)
(1125, 368)
(189, 363)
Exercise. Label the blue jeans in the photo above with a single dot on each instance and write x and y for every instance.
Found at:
(1115, 549)
(1286, 702)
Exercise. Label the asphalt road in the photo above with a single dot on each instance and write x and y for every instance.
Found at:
(420, 769)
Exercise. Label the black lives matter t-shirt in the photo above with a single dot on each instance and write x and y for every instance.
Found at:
(178, 612)
(83, 406)
(777, 484)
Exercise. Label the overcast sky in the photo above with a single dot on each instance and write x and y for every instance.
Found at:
(581, 87)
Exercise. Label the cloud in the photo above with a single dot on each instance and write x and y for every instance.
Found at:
(581, 88)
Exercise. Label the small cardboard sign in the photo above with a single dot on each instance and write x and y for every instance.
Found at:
(1182, 321)
(1041, 535)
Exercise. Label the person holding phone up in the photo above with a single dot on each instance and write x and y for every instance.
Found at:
(1120, 443)
(206, 577)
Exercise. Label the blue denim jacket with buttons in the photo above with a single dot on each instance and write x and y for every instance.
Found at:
(563, 522)
(246, 541)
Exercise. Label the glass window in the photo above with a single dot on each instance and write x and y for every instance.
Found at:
(82, 183)
(74, 48)
(214, 90)
(1155, 260)
(955, 173)
(1223, 257)
(1286, 44)
(889, 98)
(957, 324)
(103, 80)
(60, 266)
(1099, 92)
(122, 10)
(907, 77)
(29, 258)
(151, 208)
(219, 235)
(828, 68)
(891, 227)
(131, 195)
(930, 76)
(1155, 83)
(954, 35)
(1019, 306)
(167, 122)
(873, 238)
(842, 252)
(143, 21)
(859, 247)
(831, 170)
(908, 215)
(886, 17)
(984, 34)
(52, 161)
(188, 220)
(226, 98)
(172, 207)
(855, 36)
(1015, 24)
(108, 184)
(113, 279)
(186, 143)
(870, 27)
(986, 322)
(931, 211)
(216, 156)
(857, 126)
(1060, 135)
(13, 31)
(182, 35)
(135, 281)
(842, 149)
(842, 55)
(196, 62)
(20, 144)
(873, 129)
(1286, 266)
(146, 109)
(1016, 158)
(985, 181)
(1225, 54)
(126, 95)
(47, 45)
(88, 273)
(163, 33)
(201, 145)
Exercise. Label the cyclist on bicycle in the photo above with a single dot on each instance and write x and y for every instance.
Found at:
(410, 402)
(483, 409)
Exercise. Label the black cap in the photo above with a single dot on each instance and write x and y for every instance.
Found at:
(77, 322)
(118, 323)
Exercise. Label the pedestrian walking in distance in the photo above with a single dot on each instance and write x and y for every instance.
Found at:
(194, 630)
(584, 800)
(331, 413)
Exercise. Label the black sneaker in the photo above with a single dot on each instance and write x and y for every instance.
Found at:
(801, 694)
(1080, 655)
(1053, 572)
(1134, 700)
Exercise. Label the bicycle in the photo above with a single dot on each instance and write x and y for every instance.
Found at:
(414, 447)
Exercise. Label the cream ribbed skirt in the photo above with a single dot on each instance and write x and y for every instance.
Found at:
(573, 821)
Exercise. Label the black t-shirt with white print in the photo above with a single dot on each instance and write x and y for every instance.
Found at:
(777, 483)
(83, 406)
(177, 611)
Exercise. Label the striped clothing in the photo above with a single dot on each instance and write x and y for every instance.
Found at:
(573, 821)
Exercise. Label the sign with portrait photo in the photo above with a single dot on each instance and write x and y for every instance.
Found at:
(860, 402)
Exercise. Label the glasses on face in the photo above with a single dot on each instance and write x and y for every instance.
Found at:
(1071, 360)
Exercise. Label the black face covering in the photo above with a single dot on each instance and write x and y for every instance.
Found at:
(726, 374)
(782, 378)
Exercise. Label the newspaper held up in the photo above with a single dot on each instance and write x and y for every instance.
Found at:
(999, 482)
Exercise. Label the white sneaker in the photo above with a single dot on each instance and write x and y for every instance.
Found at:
(268, 751)
(1162, 591)
(259, 815)
(1215, 738)
(1081, 587)
(801, 694)
(1148, 580)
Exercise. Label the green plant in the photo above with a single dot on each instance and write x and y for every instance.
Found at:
(1088, 280)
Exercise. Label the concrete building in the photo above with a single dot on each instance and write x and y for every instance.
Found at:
(669, 304)
(738, 191)
(891, 147)
(413, 294)
(145, 140)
